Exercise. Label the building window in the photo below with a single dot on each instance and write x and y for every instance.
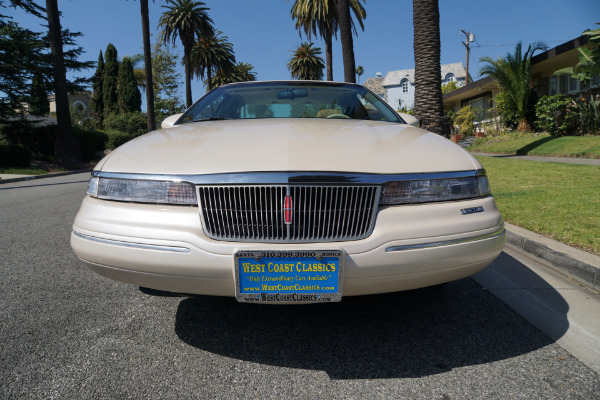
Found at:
(450, 78)
(404, 84)
(553, 86)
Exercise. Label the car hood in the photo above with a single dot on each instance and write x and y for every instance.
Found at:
(288, 145)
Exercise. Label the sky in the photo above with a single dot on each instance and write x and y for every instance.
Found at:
(263, 33)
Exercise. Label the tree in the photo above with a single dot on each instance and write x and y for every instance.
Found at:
(148, 66)
(129, 97)
(428, 106)
(345, 22)
(186, 19)
(110, 80)
(359, 71)
(67, 151)
(588, 67)
(306, 62)
(321, 16)
(38, 101)
(449, 87)
(20, 54)
(242, 72)
(211, 54)
(513, 75)
(97, 93)
(166, 81)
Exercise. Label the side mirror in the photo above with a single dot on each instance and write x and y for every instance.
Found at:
(410, 119)
(169, 121)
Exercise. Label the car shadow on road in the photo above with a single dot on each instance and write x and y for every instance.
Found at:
(407, 334)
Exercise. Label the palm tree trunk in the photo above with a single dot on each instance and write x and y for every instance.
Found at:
(329, 55)
(345, 23)
(148, 66)
(66, 149)
(209, 78)
(187, 50)
(429, 108)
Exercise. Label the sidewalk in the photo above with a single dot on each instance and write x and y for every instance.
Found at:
(565, 160)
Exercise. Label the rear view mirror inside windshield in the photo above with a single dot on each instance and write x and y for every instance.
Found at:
(292, 93)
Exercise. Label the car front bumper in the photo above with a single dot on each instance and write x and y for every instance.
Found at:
(165, 248)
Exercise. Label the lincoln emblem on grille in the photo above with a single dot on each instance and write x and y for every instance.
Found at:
(288, 210)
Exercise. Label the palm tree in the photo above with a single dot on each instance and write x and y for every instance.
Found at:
(359, 71)
(212, 54)
(321, 16)
(242, 72)
(148, 66)
(513, 75)
(188, 20)
(428, 107)
(345, 22)
(67, 151)
(306, 62)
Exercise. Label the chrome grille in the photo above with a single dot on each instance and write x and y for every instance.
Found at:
(319, 213)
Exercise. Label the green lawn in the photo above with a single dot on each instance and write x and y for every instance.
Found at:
(560, 201)
(23, 171)
(540, 145)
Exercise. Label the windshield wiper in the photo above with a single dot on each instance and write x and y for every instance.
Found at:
(209, 119)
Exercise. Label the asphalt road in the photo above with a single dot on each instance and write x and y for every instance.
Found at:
(68, 333)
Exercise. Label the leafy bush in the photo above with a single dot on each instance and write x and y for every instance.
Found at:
(132, 123)
(116, 138)
(38, 139)
(552, 115)
(465, 119)
(91, 142)
(587, 115)
(14, 155)
(506, 111)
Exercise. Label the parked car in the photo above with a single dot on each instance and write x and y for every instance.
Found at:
(288, 192)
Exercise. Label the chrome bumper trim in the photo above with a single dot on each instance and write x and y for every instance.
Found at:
(492, 235)
(293, 177)
(172, 249)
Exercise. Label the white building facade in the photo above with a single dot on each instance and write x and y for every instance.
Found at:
(399, 85)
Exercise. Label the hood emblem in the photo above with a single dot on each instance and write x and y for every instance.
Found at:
(288, 210)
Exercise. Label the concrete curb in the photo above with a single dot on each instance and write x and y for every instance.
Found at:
(578, 265)
(33, 177)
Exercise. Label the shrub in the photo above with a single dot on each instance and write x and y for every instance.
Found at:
(133, 123)
(553, 116)
(39, 140)
(91, 142)
(587, 115)
(116, 138)
(465, 119)
(506, 111)
(14, 155)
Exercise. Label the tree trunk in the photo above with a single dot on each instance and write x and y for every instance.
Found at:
(66, 149)
(429, 108)
(187, 50)
(209, 78)
(329, 55)
(148, 66)
(345, 23)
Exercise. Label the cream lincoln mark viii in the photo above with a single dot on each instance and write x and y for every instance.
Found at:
(288, 192)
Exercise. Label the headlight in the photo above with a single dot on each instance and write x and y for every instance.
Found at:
(142, 191)
(429, 190)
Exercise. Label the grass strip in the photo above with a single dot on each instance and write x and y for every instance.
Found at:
(560, 201)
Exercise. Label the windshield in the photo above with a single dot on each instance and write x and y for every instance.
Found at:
(290, 100)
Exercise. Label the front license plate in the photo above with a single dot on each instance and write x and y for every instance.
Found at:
(289, 276)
